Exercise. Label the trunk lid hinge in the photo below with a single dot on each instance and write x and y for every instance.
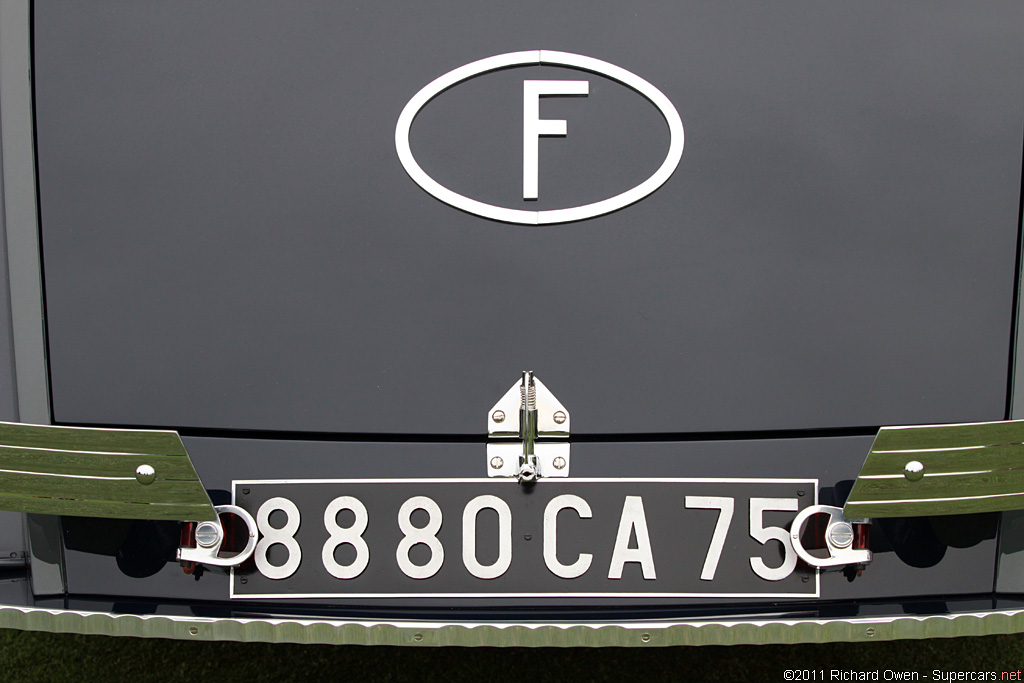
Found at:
(520, 427)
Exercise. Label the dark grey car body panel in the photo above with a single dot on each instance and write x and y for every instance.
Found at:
(231, 242)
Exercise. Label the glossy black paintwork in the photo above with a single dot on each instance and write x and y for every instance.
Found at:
(914, 558)
(230, 240)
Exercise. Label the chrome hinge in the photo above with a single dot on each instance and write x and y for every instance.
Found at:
(845, 539)
(206, 539)
(529, 414)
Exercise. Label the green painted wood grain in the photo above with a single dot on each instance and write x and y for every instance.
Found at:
(950, 436)
(101, 489)
(93, 464)
(998, 484)
(869, 510)
(174, 512)
(30, 454)
(107, 440)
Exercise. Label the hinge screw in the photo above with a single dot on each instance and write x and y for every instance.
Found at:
(559, 417)
(497, 463)
(498, 416)
(559, 463)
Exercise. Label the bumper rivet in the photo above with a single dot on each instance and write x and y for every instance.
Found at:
(913, 470)
(418, 637)
(646, 637)
(145, 474)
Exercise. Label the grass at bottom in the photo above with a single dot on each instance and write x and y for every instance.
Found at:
(27, 656)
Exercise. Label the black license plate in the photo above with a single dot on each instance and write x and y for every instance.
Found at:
(560, 538)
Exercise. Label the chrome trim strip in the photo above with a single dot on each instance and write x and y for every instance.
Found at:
(937, 474)
(516, 634)
(63, 450)
(24, 267)
(67, 476)
(22, 221)
(946, 500)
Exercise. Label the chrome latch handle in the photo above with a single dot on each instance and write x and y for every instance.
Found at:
(840, 536)
(210, 538)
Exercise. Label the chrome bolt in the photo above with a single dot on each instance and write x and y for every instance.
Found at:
(145, 474)
(559, 417)
(840, 535)
(207, 534)
(559, 463)
(870, 633)
(913, 471)
(646, 637)
(498, 416)
(193, 630)
(418, 637)
(497, 463)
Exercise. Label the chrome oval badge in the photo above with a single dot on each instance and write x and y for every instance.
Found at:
(533, 127)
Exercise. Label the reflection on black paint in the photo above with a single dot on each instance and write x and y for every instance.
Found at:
(913, 540)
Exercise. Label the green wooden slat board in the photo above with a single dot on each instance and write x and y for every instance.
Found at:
(91, 473)
(991, 467)
(106, 440)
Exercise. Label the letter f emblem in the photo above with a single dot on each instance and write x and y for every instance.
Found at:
(534, 126)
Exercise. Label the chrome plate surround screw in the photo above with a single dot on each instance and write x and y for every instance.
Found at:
(497, 463)
(498, 416)
(145, 474)
(559, 463)
(559, 417)
(913, 470)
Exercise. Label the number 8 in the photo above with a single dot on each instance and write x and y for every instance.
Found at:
(352, 535)
(273, 536)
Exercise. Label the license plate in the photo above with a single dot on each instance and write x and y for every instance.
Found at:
(560, 538)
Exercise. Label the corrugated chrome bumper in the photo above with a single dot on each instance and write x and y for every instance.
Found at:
(429, 633)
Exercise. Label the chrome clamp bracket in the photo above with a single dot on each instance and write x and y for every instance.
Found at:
(842, 537)
(209, 537)
(519, 426)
